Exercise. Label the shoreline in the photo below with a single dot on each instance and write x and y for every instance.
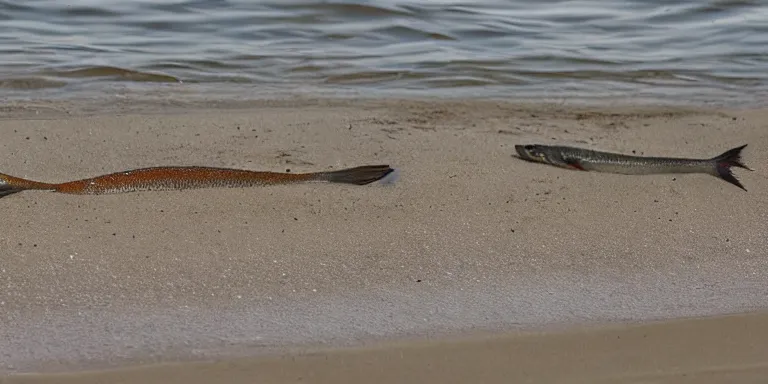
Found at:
(153, 336)
(616, 353)
(192, 93)
(468, 238)
(168, 101)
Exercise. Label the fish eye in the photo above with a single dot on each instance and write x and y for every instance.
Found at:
(529, 147)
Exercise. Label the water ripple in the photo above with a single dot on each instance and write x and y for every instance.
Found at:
(494, 47)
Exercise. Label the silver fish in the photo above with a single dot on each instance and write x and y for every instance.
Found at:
(590, 160)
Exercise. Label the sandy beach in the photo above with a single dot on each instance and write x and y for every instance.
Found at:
(468, 239)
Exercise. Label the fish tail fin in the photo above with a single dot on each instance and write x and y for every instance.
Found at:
(727, 160)
(732, 158)
(362, 175)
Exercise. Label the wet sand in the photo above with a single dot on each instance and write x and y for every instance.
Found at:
(467, 239)
(709, 350)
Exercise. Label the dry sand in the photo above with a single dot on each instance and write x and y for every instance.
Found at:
(468, 238)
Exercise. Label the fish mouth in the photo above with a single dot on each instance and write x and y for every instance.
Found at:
(522, 152)
(530, 152)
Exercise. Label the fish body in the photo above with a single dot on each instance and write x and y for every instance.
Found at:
(190, 177)
(598, 161)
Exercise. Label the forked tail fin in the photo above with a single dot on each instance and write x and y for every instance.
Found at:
(362, 175)
(727, 160)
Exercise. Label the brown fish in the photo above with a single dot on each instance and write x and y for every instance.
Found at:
(190, 177)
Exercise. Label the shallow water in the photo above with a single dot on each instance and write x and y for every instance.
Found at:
(702, 51)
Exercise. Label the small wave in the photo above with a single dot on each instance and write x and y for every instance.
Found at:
(459, 82)
(86, 11)
(412, 32)
(115, 73)
(352, 9)
(369, 77)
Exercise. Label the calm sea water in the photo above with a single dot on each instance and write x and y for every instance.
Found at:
(695, 50)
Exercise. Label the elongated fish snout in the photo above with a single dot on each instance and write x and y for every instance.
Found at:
(530, 152)
(526, 152)
(520, 149)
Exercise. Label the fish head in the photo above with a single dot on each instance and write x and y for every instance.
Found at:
(533, 152)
